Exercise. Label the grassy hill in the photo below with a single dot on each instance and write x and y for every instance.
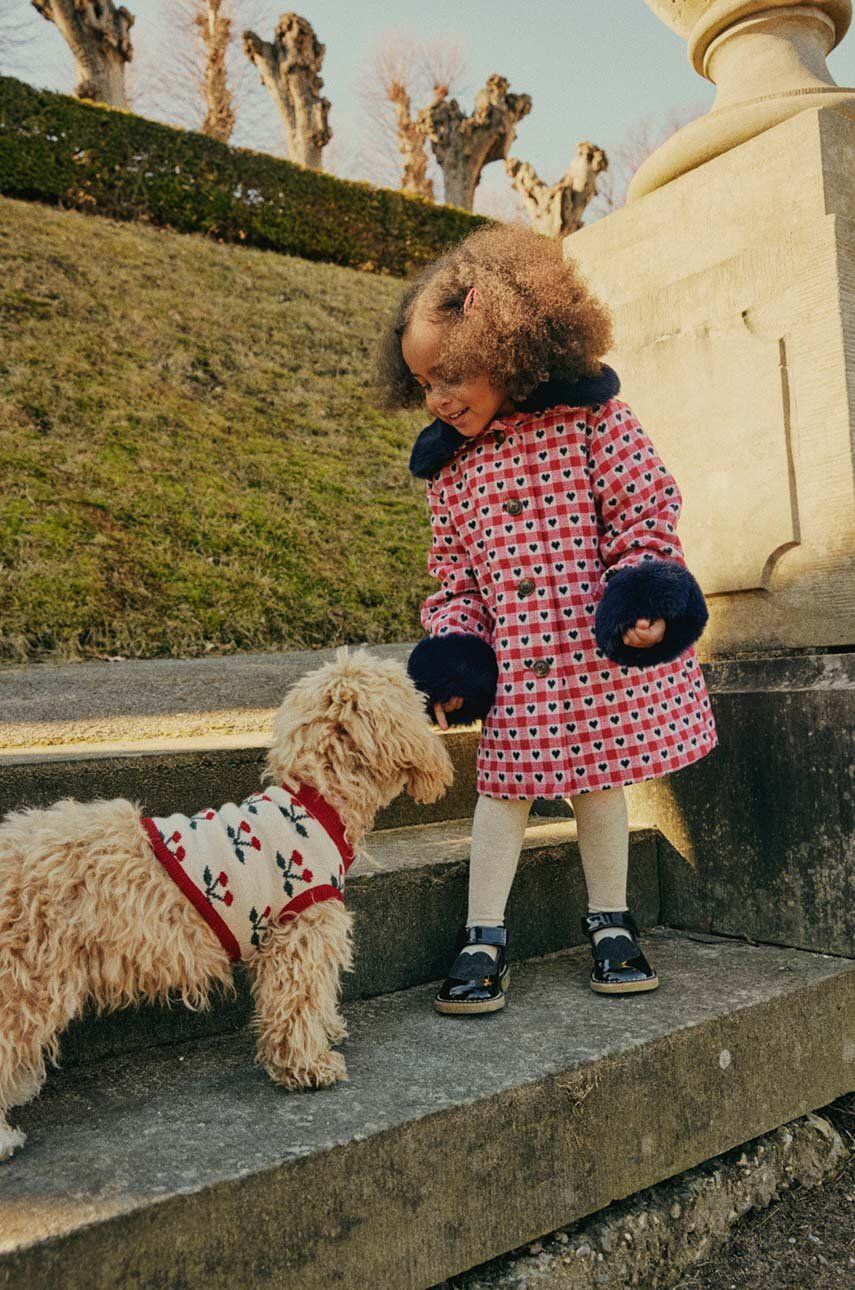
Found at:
(190, 458)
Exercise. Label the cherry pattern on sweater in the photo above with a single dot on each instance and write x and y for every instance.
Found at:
(248, 865)
(529, 521)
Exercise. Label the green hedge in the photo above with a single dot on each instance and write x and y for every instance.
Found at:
(101, 160)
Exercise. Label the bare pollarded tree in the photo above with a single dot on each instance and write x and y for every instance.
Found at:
(290, 69)
(411, 144)
(558, 210)
(214, 25)
(193, 73)
(99, 36)
(464, 145)
(404, 70)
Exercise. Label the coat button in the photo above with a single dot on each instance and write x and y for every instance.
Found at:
(513, 506)
(540, 667)
(525, 587)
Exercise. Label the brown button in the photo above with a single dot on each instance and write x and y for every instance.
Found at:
(513, 506)
(498, 438)
(540, 667)
(525, 587)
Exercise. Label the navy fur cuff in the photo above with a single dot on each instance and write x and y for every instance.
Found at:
(436, 445)
(443, 667)
(652, 589)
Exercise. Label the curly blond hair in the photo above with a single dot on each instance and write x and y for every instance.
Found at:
(535, 318)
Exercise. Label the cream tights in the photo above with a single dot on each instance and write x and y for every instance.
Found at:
(498, 829)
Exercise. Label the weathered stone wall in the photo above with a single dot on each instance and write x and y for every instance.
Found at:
(656, 1238)
(759, 837)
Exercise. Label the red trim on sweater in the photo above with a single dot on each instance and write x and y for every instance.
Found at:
(313, 896)
(190, 890)
(326, 816)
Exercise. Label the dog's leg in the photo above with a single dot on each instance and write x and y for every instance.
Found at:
(36, 1004)
(10, 1139)
(33, 1015)
(17, 1086)
(86, 915)
(295, 981)
(25, 1040)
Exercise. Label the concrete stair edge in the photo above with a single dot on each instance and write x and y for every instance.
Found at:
(71, 703)
(186, 774)
(189, 1167)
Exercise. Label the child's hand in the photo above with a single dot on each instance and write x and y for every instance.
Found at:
(645, 633)
(440, 709)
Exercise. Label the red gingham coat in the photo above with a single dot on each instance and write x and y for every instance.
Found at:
(528, 519)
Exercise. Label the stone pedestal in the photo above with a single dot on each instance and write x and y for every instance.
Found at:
(733, 294)
(766, 59)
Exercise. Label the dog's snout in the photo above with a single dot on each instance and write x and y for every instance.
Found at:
(434, 774)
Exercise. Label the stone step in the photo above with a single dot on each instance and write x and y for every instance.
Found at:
(50, 705)
(171, 734)
(408, 906)
(166, 775)
(453, 1141)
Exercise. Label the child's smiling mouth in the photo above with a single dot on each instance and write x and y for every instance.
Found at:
(457, 415)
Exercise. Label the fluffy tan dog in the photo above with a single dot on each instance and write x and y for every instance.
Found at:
(88, 914)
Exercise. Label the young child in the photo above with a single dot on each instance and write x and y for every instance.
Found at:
(565, 615)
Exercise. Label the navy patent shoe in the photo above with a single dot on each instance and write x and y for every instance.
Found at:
(476, 982)
(617, 971)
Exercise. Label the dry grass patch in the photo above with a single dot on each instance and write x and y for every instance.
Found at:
(191, 460)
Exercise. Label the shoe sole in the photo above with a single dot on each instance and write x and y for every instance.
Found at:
(634, 987)
(473, 1009)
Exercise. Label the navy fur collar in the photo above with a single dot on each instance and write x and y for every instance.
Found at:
(439, 441)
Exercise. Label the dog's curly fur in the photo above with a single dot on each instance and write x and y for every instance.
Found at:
(89, 916)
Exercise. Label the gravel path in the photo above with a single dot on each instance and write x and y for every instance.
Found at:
(804, 1241)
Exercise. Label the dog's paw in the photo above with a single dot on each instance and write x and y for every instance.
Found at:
(327, 1069)
(10, 1140)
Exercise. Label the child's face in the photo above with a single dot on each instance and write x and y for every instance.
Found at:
(468, 405)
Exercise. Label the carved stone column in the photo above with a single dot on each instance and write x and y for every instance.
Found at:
(767, 61)
(731, 280)
(733, 295)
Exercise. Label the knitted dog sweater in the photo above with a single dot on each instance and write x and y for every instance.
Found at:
(260, 862)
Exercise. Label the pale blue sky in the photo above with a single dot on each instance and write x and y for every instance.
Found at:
(594, 68)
